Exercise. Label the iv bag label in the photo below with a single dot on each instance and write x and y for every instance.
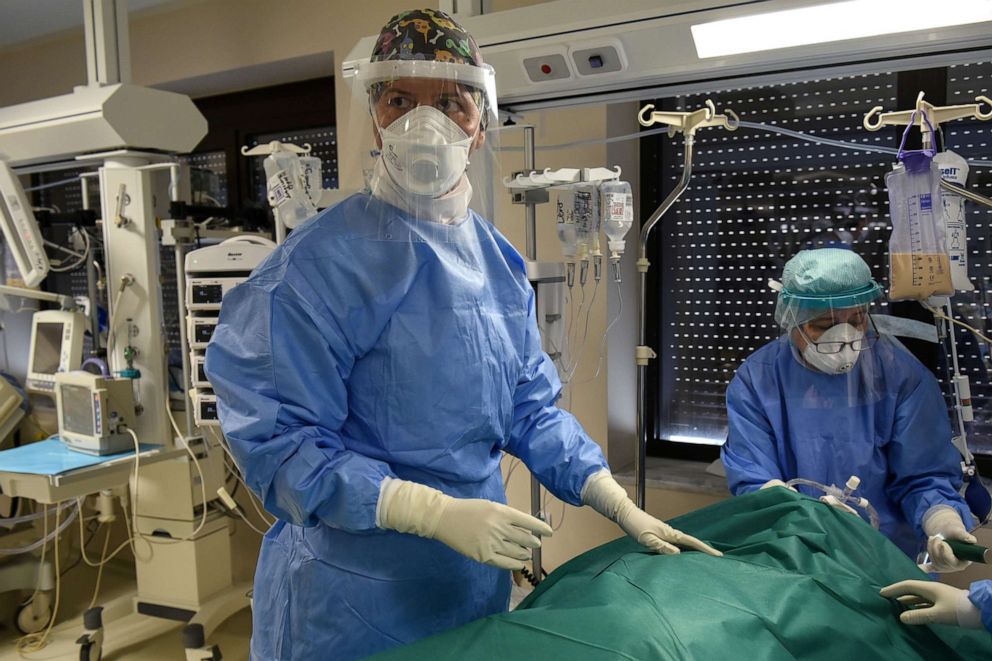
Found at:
(280, 188)
(926, 203)
(615, 206)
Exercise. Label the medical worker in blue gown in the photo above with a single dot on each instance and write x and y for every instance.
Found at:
(833, 398)
(373, 371)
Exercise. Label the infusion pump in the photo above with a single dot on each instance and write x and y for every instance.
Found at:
(212, 272)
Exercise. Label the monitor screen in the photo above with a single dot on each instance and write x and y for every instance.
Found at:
(77, 410)
(47, 347)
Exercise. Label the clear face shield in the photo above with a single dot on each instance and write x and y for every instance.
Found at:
(832, 334)
(833, 340)
(419, 134)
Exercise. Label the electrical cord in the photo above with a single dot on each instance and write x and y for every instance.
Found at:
(203, 489)
(36, 641)
(80, 257)
(99, 572)
(237, 473)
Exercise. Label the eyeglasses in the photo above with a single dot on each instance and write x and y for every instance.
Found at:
(866, 342)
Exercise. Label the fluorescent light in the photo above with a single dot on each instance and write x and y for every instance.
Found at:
(698, 440)
(836, 21)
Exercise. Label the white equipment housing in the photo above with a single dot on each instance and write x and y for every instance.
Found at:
(211, 272)
(200, 330)
(205, 408)
(574, 51)
(20, 229)
(56, 346)
(208, 293)
(94, 412)
(100, 118)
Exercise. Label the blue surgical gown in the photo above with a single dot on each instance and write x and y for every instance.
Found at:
(373, 345)
(885, 421)
(980, 594)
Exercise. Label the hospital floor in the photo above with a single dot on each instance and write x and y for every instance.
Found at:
(77, 589)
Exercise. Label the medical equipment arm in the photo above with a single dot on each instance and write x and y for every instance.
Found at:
(605, 495)
(550, 441)
(280, 369)
(483, 530)
(924, 468)
(749, 455)
(930, 602)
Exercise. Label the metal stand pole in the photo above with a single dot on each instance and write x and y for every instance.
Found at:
(643, 353)
(530, 216)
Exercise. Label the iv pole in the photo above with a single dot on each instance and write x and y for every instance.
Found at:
(687, 123)
(928, 116)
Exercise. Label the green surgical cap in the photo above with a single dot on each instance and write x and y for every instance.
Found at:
(815, 282)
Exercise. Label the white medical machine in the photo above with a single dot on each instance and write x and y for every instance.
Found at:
(211, 272)
(200, 330)
(94, 412)
(198, 375)
(56, 346)
(20, 229)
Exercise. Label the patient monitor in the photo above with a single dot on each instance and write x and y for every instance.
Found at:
(20, 229)
(56, 346)
(94, 412)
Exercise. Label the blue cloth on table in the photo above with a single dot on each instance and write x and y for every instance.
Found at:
(52, 457)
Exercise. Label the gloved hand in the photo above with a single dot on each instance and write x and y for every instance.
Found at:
(775, 483)
(943, 522)
(483, 530)
(930, 602)
(833, 501)
(606, 496)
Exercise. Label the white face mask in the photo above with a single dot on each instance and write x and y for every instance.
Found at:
(835, 363)
(425, 151)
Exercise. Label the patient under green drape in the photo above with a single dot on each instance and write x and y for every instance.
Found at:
(799, 579)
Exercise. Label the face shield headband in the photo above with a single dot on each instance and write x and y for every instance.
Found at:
(480, 79)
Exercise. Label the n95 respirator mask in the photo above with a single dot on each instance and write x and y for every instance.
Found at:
(425, 151)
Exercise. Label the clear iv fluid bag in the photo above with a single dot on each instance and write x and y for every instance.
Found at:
(954, 169)
(313, 179)
(565, 223)
(618, 213)
(285, 187)
(919, 266)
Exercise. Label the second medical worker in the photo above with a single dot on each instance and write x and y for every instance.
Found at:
(373, 371)
(833, 397)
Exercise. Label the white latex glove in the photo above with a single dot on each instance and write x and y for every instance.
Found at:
(939, 523)
(834, 502)
(775, 483)
(930, 602)
(483, 530)
(605, 495)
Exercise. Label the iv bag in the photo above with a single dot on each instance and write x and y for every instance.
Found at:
(954, 168)
(565, 223)
(618, 214)
(918, 263)
(313, 183)
(286, 192)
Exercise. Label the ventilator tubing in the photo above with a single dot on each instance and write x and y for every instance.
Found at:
(843, 495)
